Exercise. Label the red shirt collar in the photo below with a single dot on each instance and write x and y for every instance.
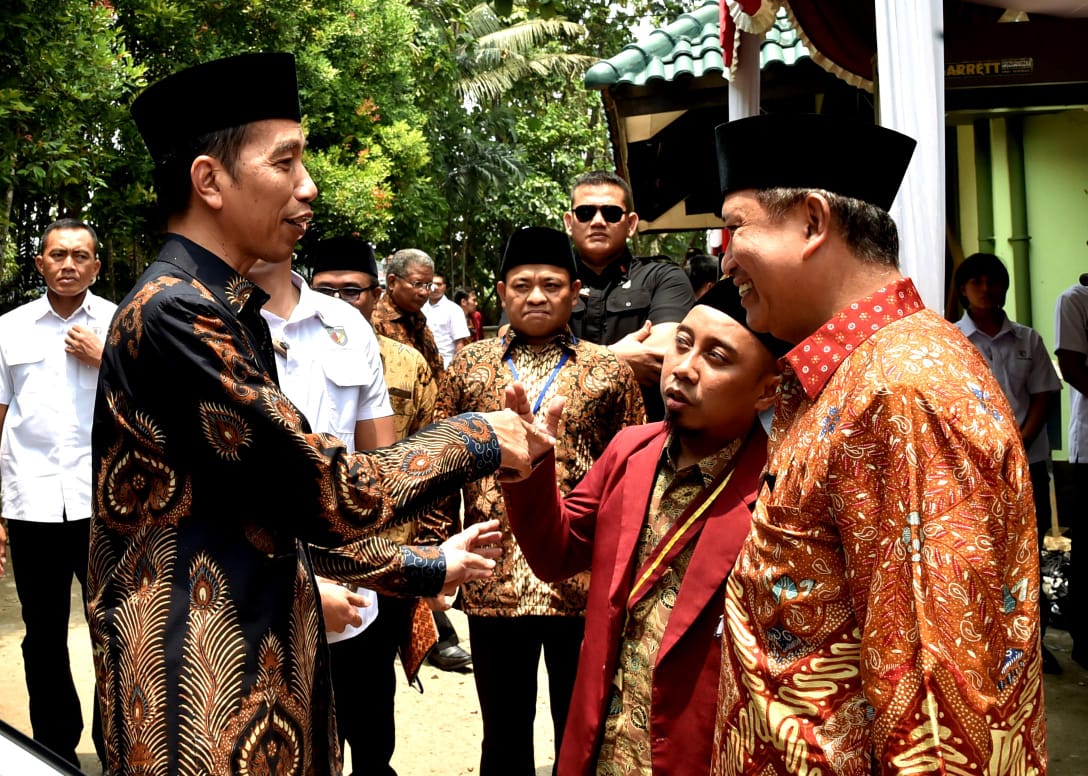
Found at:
(816, 358)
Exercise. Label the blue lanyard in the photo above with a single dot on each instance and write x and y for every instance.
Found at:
(547, 385)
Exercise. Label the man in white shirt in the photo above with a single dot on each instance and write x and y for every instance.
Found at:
(50, 351)
(446, 320)
(1071, 347)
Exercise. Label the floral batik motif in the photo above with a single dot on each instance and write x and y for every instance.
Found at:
(209, 650)
(883, 613)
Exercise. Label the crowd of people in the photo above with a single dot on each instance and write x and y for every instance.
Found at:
(762, 514)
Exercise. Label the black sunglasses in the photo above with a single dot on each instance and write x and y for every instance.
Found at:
(347, 293)
(612, 213)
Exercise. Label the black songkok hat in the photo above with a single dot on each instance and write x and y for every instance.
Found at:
(173, 113)
(725, 298)
(338, 254)
(538, 245)
(811, 151)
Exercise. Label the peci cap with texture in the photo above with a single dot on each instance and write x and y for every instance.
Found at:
(844, 156)
(725, 298)
(337, 254)
(173, 113)
(538, 245)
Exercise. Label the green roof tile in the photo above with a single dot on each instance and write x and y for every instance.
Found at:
(689, 48)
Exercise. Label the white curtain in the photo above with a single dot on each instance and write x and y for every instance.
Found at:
(910, 84)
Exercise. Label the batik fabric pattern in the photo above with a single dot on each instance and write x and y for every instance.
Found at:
(408, 329)
(412, 389)
(883, 615)
(602, 398)
(626, 748)
(209, 646)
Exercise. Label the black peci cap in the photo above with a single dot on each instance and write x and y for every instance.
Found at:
(173, 113)
(338, 254)
(725, 298)
(538, 245)
(844, 156)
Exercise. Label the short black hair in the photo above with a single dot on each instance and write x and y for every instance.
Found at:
(604, 178)
(702, 269)
(68, 223)
(173, 184)
(975, 266)
(461, 294)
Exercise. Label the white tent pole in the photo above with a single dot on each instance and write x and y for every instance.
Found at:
(910, 86)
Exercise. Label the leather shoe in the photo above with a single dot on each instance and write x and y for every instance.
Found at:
(450, 658)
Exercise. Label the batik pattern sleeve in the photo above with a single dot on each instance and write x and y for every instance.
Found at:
(884, 612)
(232, 422)
(444, 519)
(939, 563)
(381, 564)
(209, 654)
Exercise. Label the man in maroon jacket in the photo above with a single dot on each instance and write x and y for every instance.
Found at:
(658, 520)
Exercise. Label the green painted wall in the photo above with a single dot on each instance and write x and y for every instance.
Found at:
(1056, 158)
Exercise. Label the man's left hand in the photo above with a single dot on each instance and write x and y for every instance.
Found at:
(85, 345)
(471, 554)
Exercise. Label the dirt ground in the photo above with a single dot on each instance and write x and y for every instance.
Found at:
(438, 732)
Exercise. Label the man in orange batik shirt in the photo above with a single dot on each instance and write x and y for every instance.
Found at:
(884, 612)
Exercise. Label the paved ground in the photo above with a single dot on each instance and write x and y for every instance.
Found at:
(439, 731)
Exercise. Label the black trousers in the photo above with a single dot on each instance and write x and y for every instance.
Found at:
(364, 683)
(447, 636)
(44, 557)
(505, 657)
(1077, 617)
(1040, 488)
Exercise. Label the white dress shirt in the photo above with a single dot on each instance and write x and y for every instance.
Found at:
(1071, 333)
(330, 366)
(447, 323)
(45, 450)
(1022, 367)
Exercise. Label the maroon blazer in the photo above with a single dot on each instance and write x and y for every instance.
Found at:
(597, 527)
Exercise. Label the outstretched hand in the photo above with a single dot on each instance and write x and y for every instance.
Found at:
(471, 554)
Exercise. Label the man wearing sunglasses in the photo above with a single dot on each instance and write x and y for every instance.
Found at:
(631, 304)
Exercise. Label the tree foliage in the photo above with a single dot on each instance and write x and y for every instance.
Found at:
(436, 124)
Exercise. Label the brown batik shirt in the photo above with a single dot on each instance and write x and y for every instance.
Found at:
(409, 329)
(208, 640)
(602, 398)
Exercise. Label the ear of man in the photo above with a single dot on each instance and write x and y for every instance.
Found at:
(767, 396)
(817, 221)
(208, 177)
